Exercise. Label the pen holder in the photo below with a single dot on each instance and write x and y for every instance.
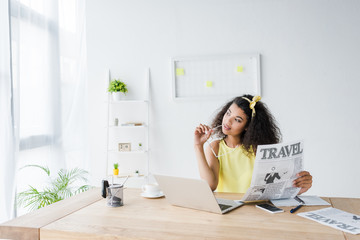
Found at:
(114, 196)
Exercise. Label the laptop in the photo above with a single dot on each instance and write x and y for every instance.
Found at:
(193, 193)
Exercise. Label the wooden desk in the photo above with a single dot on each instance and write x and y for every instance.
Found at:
(142, 218)
(28, 226)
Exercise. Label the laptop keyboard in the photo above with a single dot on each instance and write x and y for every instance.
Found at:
(224, 206)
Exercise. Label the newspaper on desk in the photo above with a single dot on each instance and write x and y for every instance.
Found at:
(335, 218)
(275, 169)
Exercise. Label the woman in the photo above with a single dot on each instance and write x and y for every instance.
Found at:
(242, 124)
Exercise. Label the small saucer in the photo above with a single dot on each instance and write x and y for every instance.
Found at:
(159, 195)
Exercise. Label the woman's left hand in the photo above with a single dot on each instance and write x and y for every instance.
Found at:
(304, 181)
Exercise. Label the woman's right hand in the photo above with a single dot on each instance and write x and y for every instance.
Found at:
(202, 134)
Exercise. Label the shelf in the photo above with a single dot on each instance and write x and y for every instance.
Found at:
(132, 182)
(128, 101)
(123, 175)
(128, 152)
(142, 126)
(134, 114)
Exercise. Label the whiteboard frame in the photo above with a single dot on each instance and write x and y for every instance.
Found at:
(213, 57)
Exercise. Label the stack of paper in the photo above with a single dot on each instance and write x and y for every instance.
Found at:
(309, 201)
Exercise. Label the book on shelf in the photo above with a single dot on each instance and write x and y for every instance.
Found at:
(128, 124)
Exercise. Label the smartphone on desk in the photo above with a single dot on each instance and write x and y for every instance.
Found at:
(269, 208)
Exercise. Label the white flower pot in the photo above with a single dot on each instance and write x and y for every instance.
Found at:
(117, 96)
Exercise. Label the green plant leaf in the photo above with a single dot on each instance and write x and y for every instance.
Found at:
(33, 199)
(116, 85)
(59, 188)
(45, 169)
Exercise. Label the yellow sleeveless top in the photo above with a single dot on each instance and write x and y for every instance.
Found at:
(236, 168)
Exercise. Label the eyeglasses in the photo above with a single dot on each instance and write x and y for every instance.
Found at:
(211, 136)
(211, 139)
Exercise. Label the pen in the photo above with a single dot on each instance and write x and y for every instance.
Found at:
(299, 200)
(297, 208)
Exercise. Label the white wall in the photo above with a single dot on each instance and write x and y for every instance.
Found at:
(310, 75)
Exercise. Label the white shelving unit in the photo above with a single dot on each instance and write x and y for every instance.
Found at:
(137, 159)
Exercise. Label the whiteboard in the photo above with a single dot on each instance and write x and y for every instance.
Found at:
(212, 77)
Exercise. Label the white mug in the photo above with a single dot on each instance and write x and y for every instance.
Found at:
(151, 189)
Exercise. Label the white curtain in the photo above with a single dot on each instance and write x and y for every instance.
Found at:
(49, 87)
(7, 134)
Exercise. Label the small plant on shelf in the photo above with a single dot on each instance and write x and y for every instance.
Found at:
(116, 169)
(116, 87)
(137, 174)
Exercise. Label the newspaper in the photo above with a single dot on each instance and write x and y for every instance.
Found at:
(335, 218)
(275, 169)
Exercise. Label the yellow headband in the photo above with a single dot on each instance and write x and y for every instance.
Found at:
(252, 103)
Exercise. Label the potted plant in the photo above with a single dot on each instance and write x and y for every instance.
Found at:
(117, 88)
(116, 169)
(66, 184)
(140, 147)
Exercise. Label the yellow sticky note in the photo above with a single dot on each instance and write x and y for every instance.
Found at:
(240, 68)
(209, 83)
(180, 72)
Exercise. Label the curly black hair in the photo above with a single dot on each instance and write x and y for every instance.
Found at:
(261, 129)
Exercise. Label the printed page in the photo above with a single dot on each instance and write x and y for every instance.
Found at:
(335, 218)
(275, 169)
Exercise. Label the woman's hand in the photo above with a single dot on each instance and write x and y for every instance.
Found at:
(304, 181)
(202, 134)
